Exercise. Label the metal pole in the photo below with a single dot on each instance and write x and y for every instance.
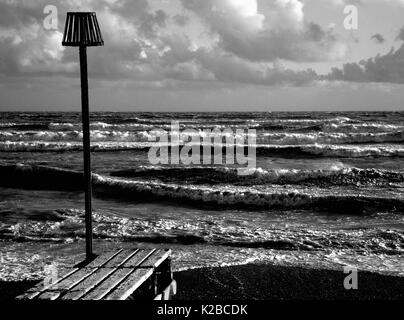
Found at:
(86, 151)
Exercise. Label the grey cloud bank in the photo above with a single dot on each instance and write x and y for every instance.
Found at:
(191, 44)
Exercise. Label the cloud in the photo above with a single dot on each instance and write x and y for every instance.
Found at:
(210, 41)
(181, 19)
(26, 47)
(229, 68)
(358, 2)
(387, 68)
(144, 44)
(267, 30)
(401, 34)
(378, 38)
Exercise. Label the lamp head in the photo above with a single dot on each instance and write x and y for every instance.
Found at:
(82, 29)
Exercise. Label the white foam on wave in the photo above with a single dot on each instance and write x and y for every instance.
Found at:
(99, 126)
(229, 195)
(336, 120)
(39, 146)
(133, 126)
(260, 175)
(362, 128)
(261, 138)
(255, 176)
(7, 124)
(329, 138)
(223, 196)
(355, 151)
(76, 136)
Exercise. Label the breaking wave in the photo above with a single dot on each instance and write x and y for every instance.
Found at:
(67, 225)
(337, 174)
(268, 197)
(224, 195)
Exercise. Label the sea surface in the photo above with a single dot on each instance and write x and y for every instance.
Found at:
(327, 191)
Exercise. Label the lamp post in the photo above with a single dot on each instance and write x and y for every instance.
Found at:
(82, 30)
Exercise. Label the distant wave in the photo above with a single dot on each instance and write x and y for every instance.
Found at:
(136, 123)
(261, 138)
(362, 127)
(202, 120)
(333, 151)
(306, 121)
(75, 136)
(51, 146)
(330, 138)
(142, 125)
(100, 126)
(198, 123)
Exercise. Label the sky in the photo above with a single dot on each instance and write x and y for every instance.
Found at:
(207, 55)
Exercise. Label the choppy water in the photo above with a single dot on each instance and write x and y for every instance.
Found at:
(327, 191)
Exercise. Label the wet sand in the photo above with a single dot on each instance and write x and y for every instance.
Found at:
(10, 289)
(265, 282)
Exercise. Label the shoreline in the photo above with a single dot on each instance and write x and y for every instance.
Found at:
(264, 282)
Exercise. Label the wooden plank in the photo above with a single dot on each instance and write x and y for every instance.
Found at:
(100, 275)
(113, 276)
(40, 287)
(88, 284)
(120, 258)
(35, 291)
(147, 261)
(137, 259)
(54, 291)
(154, 260)
(102, 259)
(107, 285)
(118, 276)
(131, 283)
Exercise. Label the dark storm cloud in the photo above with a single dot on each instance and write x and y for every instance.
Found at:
(382, 68)
(401, 34)
(378, 38)
(151, 21)
(141, 46)
(181, 19)
(278, 31)
(242, 45)
(388, 68)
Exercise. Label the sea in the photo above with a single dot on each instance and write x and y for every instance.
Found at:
(327, 191)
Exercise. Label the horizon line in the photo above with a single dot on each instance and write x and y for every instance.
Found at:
(208, 111)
